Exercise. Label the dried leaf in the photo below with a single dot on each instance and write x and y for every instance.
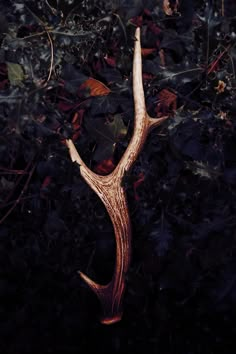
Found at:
(96, 88)
(104, 167)
(167, 101)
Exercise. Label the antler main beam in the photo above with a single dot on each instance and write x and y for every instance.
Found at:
(109, 189)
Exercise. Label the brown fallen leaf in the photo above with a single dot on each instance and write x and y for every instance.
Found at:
(167, 101)
(96, 88)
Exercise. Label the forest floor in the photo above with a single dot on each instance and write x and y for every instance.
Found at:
(66, 72)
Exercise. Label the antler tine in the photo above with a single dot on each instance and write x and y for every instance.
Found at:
(143, 123)
(110, 190)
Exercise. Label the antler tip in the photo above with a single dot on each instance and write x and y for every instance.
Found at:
(155, 122)
(111, 320)
(94, 286)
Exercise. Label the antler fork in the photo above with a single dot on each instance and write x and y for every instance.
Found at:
(110, 190)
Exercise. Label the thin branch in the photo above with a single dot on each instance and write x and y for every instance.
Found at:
(42, 24)
(222, 8)
(7, 171)
(52, 56)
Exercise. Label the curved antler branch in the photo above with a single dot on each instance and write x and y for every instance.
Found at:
(110, 190)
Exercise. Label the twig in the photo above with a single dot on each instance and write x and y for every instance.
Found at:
(52, 57)
(49, 38)
(7, 171)
(213, 65)
(222, 8)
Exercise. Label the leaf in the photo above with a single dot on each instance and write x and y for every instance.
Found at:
(104, 167)
(106, 134)
(96, 88)
(147, 51)
(110, 61)
(15, 74)
(167, 101)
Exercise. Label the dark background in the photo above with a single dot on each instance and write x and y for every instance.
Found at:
(181, 286)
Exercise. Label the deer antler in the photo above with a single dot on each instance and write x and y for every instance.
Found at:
(109, 189)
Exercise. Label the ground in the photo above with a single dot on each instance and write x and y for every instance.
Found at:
(66, 72)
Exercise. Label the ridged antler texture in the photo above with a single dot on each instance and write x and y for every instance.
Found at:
(109, 189)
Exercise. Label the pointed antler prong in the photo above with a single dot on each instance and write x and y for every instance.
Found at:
(155, 122)
(110, 190)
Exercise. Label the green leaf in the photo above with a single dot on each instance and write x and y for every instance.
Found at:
(15, 74)
(106, 133)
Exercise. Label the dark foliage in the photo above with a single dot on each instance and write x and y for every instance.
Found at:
(65, 71)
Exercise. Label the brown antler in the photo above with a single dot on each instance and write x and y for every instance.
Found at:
(109, 189)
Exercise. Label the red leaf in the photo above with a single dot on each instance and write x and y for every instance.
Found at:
(153, 27)
(77, 122)
(104, 167)
(167, 101)
(45, 184)
(110, 61)
(65, 106)
(76, 135)
(77, 119)
(147, 12)
(97, 88)
(138, 21)
(147, 51)
(147, 76)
